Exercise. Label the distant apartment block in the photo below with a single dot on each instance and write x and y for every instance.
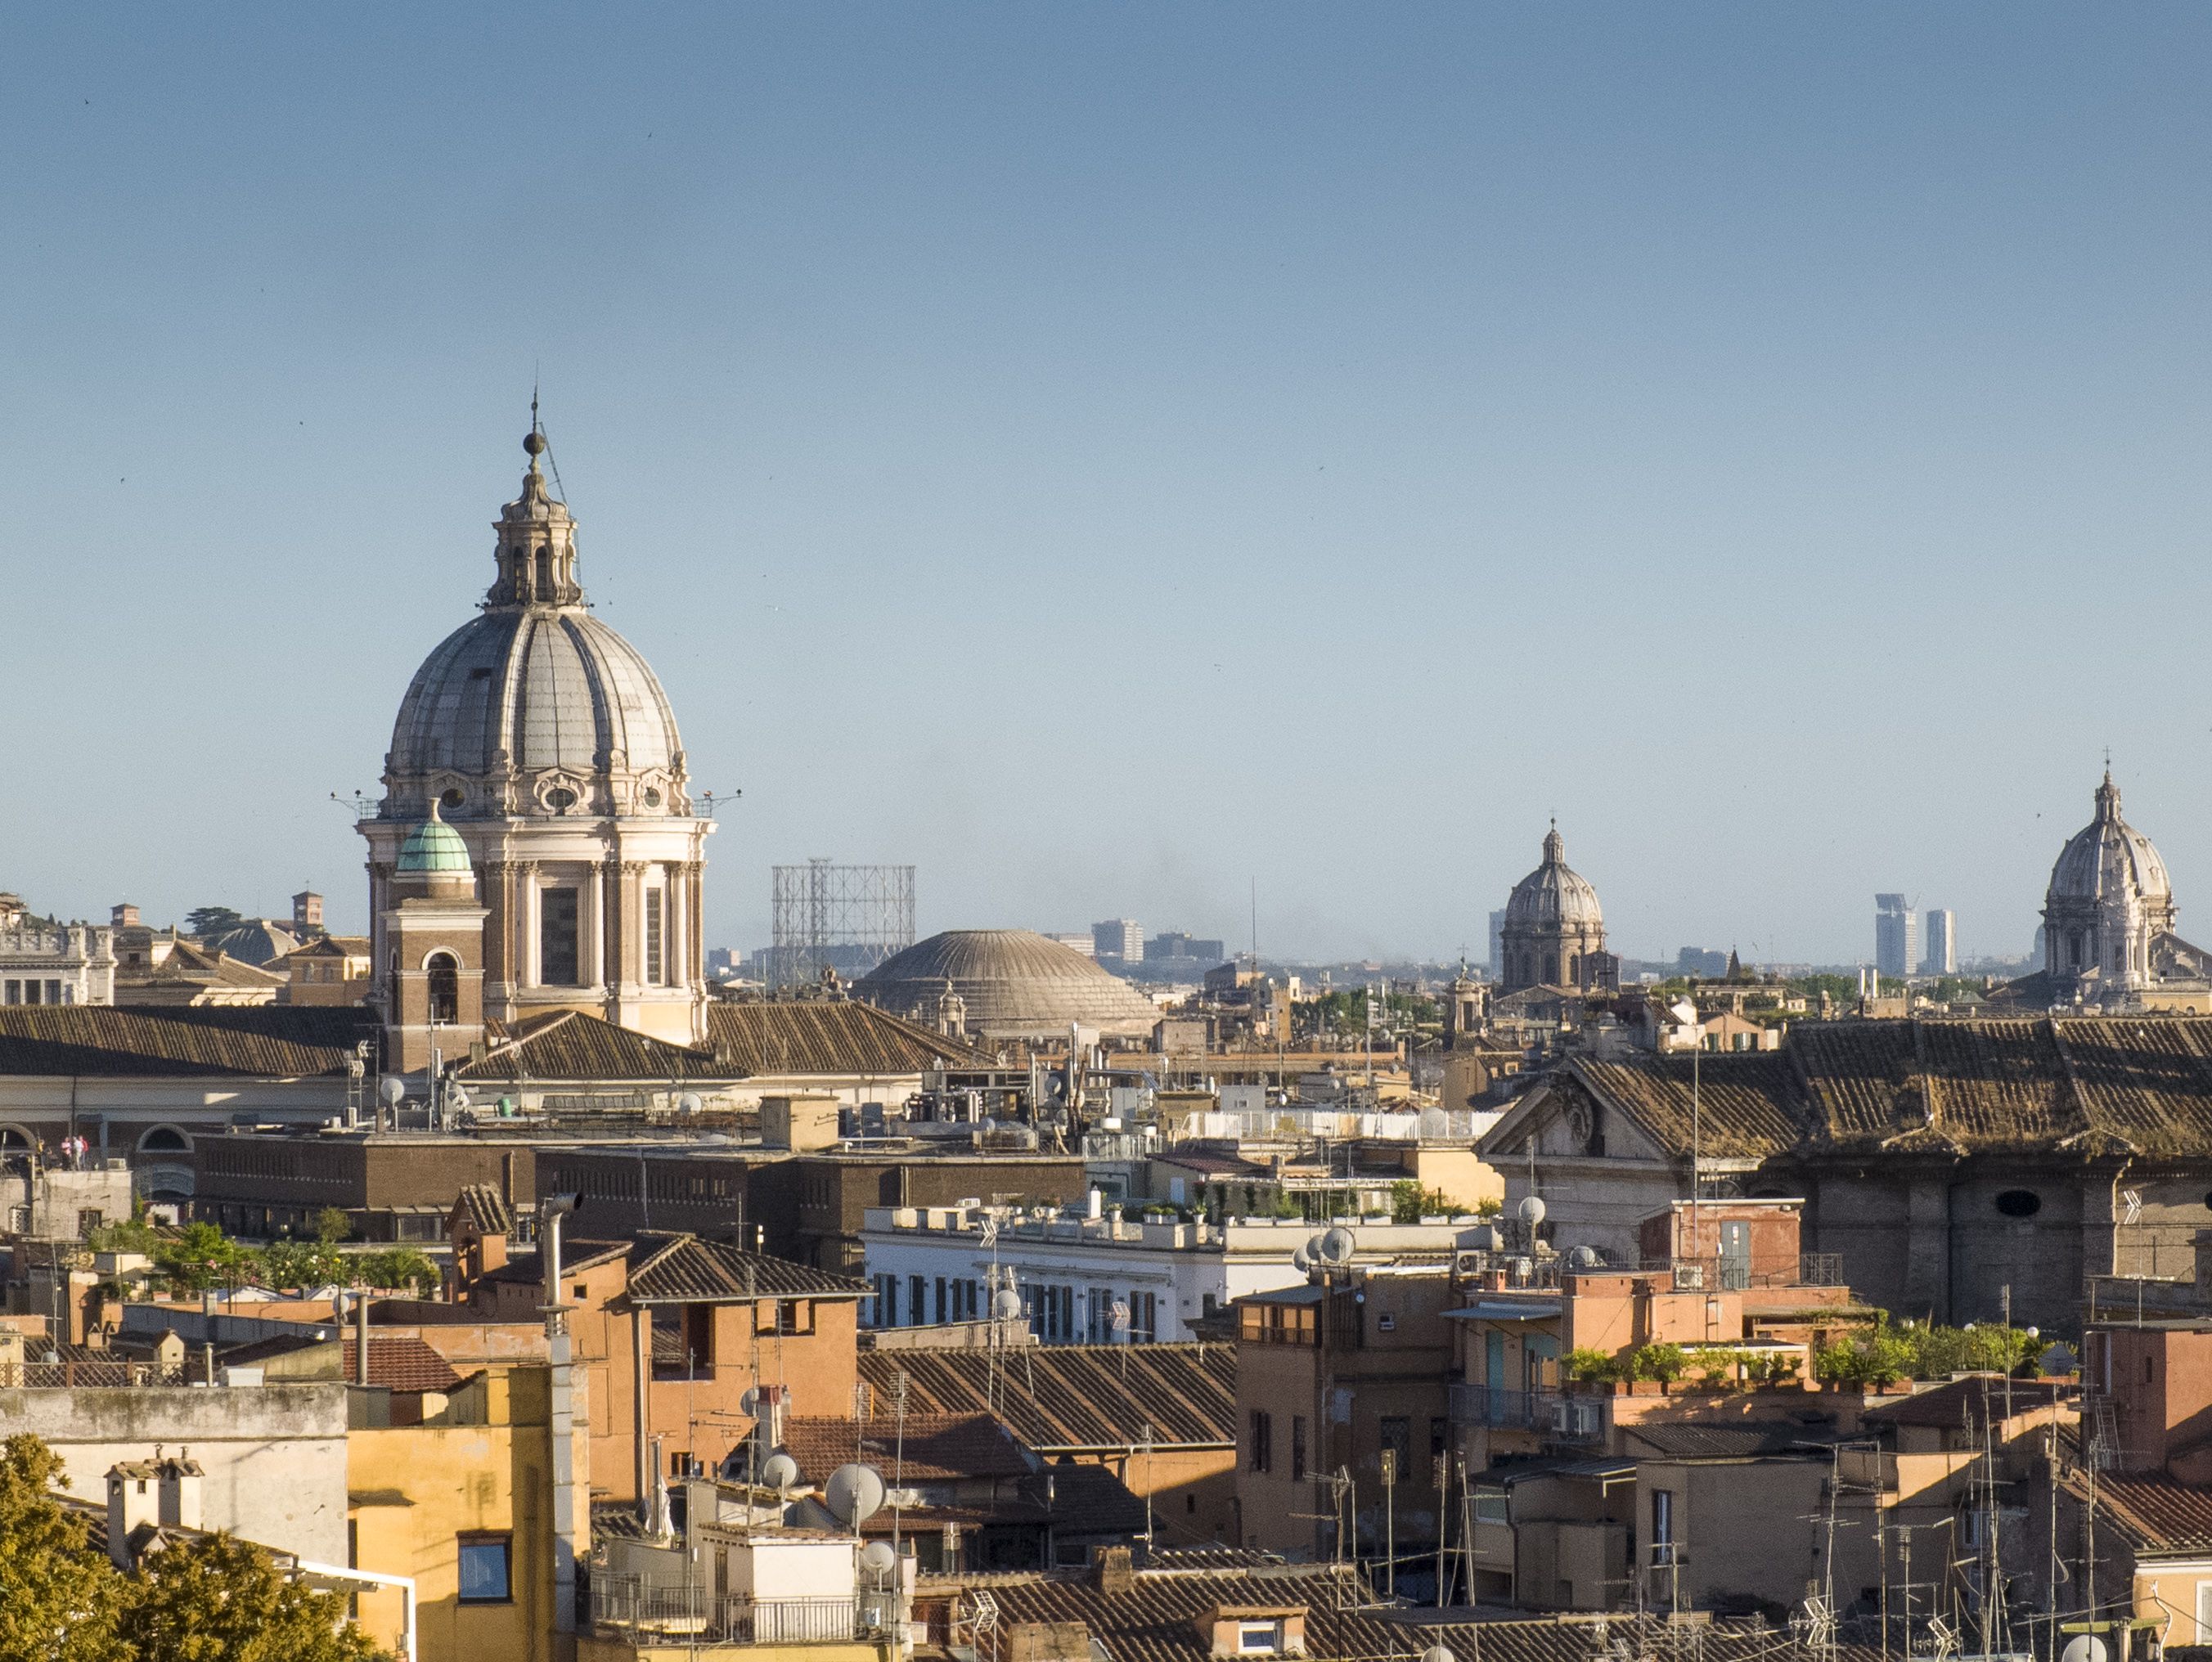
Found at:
(1175, 943)
(1896, 936)
(1078, 941)
(1704, 961)
(1939, 943)
(1498, 943)
(1119, 938)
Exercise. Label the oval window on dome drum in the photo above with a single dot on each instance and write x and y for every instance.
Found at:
(560, 799)
(652, 797)
(453, 797)
(2019, 1203)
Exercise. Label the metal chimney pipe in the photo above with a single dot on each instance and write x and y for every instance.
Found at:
(361, 1338)
(550, 1211)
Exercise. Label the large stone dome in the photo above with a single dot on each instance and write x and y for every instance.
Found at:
(1011, 983)
(2109, 858)
(535, 706)
(1555, 895)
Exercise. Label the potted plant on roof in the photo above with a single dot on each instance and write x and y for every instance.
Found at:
(1587, 1365)
(1657, 1366)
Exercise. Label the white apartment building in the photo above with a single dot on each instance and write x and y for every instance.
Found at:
(67, 964)
(1097, 1280)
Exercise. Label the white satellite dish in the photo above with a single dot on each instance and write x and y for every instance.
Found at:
(2083, 1647)
(749, 1404)
(688, 1103)
(854, 1494)
(456, 1096)
(1301, 1260)
(1437, 1653)
(779, 1471)
(878, 1559)
(1531, 1211)
(1006, 1304)
(1338, 1246)
(1583, 1258)
(1313, 1248)
(393, 1090)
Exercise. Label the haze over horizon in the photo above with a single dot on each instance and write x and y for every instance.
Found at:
(1108, 456)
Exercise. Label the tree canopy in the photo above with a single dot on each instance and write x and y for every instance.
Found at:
(205, 1598)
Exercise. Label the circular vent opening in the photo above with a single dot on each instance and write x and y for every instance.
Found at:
(2019, 1203)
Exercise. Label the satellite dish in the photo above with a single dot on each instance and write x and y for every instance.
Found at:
(1530, 1211)
(456, 1096)
(1313, 1248)
(878, 1558)
(1301, 1259)
(1006, 1304)
(749, 1404)
(1583, 1258)
(854, 1494)
(392, 1091)
(688, 1102)
(1338, 1246)
(1437, 1653)
(2083, 1647)
(779, 1471)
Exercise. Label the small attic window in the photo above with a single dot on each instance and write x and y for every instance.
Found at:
(2019, 1203)
(1259, 1638)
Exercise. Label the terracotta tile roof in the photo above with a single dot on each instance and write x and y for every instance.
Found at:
(273, 1041)
(935, 1449)
(1071, 1396)
(837, 1036)
(397, 1363)
(2091, 1085)
(2160, 1514)
(484, 1209)
(679, 1269)
(1969, 1405)
(1157, 1620)
(574, 1044)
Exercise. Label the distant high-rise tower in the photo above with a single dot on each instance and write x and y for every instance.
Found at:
(1497, 943)
(1939, 943)
(1896, 936)
(1120, 939)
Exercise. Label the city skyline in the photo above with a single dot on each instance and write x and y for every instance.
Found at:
(1328, 359)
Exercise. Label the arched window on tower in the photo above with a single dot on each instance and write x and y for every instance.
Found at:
(445, 987)
(544, 573)
(1574, 968)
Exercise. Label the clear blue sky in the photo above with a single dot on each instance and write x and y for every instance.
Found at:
(1106, 454)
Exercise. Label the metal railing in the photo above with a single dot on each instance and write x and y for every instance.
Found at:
(1550, 1413)
(628, 1604)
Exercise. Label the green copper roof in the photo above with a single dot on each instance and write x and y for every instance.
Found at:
(434, 845)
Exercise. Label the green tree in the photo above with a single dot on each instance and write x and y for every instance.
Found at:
(205, 921)
(302, 1265)
(125, 1235)
(59, 1600)
(333, 1226)
(1410, 1203)
(203, 1257)
(216, 1599)
(399, 1268)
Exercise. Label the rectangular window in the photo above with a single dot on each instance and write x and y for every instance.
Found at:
(1490, 1507)
(1259, 1638)
(30, 992)
(1662, 1525)
(1439, 1436)
(558, 959)
(1397, 1437)
(944, 1313)
(484, 1570)
(1297, 1448)
(656, 914)
(1261, 1455)
(917, 1304)
(14, 992)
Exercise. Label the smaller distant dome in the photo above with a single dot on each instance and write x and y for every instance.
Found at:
(433, 846)
(1555, 895)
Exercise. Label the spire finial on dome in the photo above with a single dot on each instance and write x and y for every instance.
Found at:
(533, 442)
(1555, 846)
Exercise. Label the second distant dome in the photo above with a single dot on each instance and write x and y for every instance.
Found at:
(1014, 984)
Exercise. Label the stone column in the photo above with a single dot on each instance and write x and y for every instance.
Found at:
(611, 950)
(633, 946)
(592, 960)
(527, 895)
(695, 959)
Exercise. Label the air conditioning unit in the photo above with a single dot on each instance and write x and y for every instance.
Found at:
(1689, 1277)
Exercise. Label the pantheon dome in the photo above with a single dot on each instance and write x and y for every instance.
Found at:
(1011, 984)
(546, 744)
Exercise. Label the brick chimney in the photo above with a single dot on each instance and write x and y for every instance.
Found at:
(1114, 1574)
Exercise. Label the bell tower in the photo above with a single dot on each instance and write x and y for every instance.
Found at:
(430, 984)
